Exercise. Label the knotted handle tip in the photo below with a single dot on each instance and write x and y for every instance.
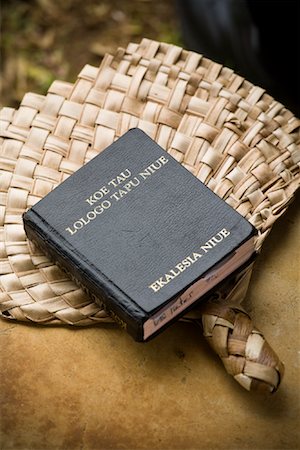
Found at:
(244, 351)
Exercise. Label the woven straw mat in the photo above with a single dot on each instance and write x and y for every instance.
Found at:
(230, 134)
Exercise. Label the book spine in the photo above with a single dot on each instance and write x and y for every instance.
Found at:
(67, 262)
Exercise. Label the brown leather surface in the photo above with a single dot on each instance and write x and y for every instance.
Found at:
(95, 388)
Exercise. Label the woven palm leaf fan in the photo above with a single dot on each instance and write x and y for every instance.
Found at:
(230, 134)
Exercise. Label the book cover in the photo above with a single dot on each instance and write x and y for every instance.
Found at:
(140, 233)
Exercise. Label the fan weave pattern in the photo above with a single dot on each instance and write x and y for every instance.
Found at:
(232, 135)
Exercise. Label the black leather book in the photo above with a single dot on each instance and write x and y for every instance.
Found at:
(140, 233)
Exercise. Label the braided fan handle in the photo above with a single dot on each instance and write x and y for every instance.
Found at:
(245, 353)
